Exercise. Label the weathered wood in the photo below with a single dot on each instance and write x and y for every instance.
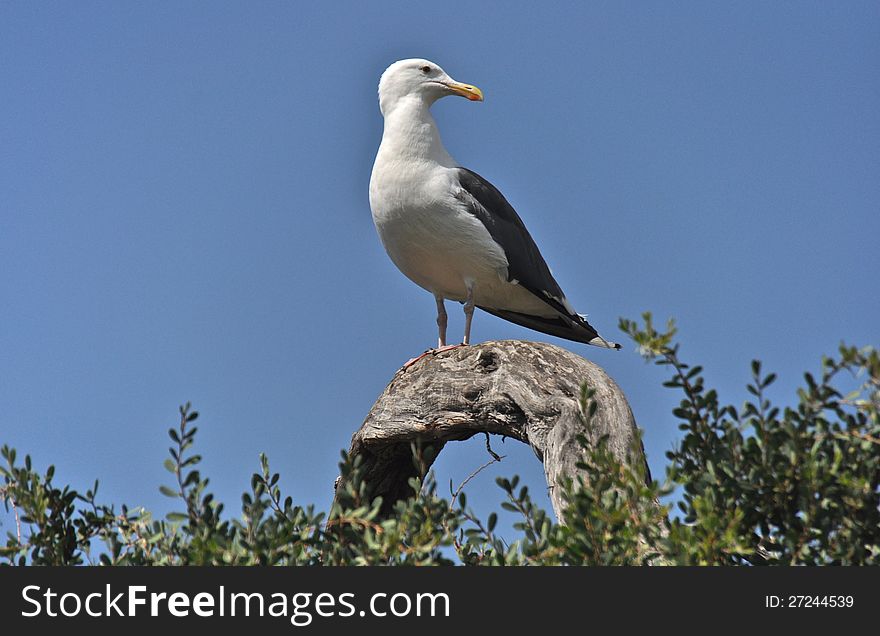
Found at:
(528, 391)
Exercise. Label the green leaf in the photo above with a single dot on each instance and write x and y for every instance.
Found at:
(168, 492)
(492, 522)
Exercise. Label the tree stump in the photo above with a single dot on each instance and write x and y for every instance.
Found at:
(528, 391)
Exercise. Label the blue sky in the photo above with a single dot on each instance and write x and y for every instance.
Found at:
(184, 213)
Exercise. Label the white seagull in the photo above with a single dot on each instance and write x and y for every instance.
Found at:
(449, 230)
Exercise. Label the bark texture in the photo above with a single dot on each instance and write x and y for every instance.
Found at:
(528, 391)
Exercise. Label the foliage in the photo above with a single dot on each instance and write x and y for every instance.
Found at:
(755, 485)
(762, 485)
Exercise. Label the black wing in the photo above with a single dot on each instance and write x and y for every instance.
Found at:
(525, 263)
(526, 266)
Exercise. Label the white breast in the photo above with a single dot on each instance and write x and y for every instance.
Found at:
(428, 233)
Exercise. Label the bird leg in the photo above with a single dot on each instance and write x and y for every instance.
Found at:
(441, 321)
(441, 326)
(468, 312)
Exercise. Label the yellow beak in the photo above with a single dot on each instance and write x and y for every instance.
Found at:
(466, 90)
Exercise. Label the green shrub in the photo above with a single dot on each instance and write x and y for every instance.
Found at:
(754, 485)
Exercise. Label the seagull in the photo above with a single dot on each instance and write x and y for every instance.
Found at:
(447, 228)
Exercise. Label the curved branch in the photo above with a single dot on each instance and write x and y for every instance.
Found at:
(528, 391)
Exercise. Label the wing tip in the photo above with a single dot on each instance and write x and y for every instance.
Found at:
(599, 341)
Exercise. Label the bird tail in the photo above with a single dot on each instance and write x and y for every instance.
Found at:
(573, 327)
(599, 341)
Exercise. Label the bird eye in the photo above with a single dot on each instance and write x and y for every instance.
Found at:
(426, 69)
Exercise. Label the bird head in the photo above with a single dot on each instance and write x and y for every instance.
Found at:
(422, 80)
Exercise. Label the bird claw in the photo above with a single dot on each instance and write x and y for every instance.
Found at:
(446, 348)
(431, 352)
(412, 361)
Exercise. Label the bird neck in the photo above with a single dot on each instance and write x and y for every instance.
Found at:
(411, 133)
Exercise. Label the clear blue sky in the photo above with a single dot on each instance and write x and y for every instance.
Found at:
(184, 213)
